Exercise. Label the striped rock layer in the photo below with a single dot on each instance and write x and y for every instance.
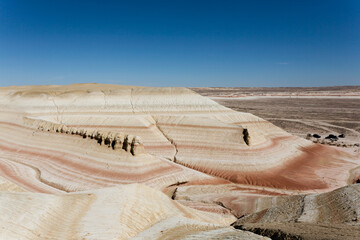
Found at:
(84, 138)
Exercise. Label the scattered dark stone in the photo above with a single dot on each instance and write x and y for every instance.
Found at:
(316, 135)
(356, 145)
(358, 181)
(332, 137)
(341, 136)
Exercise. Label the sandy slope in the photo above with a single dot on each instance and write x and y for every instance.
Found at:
(332, 215)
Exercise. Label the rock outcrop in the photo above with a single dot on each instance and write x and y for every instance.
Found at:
(117, 141)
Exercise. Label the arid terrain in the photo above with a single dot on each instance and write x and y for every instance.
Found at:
(300, 111)
(97, 161)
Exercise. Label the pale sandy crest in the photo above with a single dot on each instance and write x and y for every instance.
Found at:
(110, 213)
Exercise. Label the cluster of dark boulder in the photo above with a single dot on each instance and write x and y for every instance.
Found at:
(330, 137)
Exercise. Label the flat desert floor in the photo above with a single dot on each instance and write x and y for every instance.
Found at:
(300, 111)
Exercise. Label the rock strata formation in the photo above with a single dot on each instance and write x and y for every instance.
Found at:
(91, 161)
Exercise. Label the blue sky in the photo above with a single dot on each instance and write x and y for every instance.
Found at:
(180, 43)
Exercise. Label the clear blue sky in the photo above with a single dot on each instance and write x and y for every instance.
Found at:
(180, 43)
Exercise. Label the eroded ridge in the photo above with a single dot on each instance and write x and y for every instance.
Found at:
(115, 140)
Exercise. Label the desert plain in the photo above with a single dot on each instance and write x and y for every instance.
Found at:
(96, 161)
(300, 111)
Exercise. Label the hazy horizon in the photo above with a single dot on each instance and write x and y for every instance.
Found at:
(65, 84)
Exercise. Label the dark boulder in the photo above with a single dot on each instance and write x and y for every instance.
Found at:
(332, 137)
(316, 135)
(341, 136)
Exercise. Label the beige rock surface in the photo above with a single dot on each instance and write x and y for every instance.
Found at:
(83, 140)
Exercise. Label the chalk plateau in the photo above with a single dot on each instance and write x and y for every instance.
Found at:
(93, 161)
